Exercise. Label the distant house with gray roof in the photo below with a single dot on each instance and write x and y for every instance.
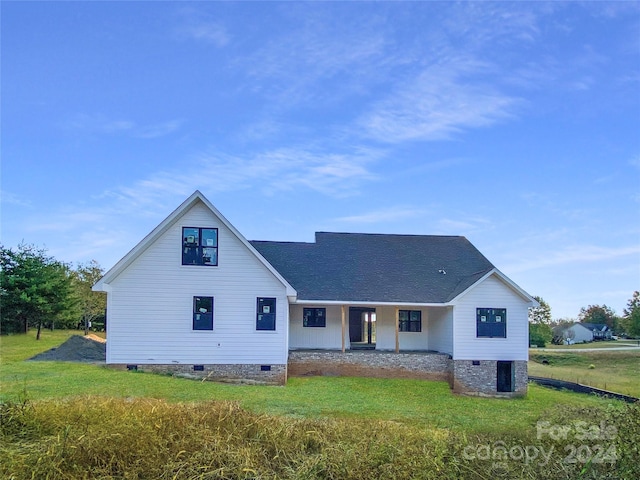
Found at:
(196, 298)
(579, 332)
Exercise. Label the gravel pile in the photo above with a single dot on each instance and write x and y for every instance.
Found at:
(76, 349)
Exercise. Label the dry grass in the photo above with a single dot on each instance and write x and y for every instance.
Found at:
(115, 438)
(315, 428)
(96, 338)
(106, 438)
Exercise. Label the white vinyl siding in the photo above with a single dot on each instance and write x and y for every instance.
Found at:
(436, 331)
(440, 328)
(151, 304)
(490, 293)
(386, 330)
(324, 338)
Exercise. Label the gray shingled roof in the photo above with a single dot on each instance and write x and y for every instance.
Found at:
(377, 268)
(600, 327)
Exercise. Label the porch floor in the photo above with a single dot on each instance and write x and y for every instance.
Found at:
(372, 350)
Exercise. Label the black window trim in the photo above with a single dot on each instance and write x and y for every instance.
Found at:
(313, 311)
(260, 315)
(196, 314)
(491, 328)
(200, 247)
(405, 326)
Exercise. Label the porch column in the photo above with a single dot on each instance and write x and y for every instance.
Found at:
(343, 326)
(397, 329)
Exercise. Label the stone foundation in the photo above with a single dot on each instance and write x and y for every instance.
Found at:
(419, 365)
(463, 376)
(248, 374)
(481, 379)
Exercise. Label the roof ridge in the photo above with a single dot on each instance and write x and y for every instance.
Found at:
(322, 232)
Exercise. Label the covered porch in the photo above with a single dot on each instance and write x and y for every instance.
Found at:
(371, 327)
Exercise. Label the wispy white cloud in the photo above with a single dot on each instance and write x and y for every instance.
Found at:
(572, 254)
(437, 104)
(197, 24)
(463, 225)
(286, 169)
(158, 129)
(319, 60)
(556, 205)
(93, 226)
(99, 124)
(481, 23)
(10, 198)
(386, 215)
(210, 32)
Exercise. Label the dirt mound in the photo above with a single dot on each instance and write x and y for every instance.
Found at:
(76, 349)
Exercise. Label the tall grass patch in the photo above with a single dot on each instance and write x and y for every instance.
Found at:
(96, 437)
(143, 438)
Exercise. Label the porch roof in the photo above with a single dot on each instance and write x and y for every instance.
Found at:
(419, 269)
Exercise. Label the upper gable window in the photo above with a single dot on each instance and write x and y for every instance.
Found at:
(491, 322)
(199, 246)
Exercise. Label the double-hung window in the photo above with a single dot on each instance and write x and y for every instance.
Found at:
(199, 246)
(203, 313)
(491, 322)
(266, 314)
(410, 321)
(314, 317)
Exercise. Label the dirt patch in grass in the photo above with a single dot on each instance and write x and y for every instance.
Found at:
(76, 349)
(315, 369)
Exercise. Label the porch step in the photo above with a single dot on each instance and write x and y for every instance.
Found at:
(363, 346)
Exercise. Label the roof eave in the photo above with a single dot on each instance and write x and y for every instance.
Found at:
(510, 283)
(358, 303)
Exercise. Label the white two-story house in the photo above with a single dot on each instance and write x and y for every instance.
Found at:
(194, 297)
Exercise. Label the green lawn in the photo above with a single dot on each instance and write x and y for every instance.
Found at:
(609, 369)
(407, 401)
(89, 418)
(603, 344)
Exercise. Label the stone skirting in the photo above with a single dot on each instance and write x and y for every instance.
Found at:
(426, 366)
(481, 378)
(248, 374)
(464, 376)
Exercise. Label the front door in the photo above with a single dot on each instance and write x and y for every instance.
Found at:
(362, 326)
(505, 377)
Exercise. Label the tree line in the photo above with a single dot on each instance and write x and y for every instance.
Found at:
(543, 329)
(38, 291)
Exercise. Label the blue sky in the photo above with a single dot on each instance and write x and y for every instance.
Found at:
(516, 125)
